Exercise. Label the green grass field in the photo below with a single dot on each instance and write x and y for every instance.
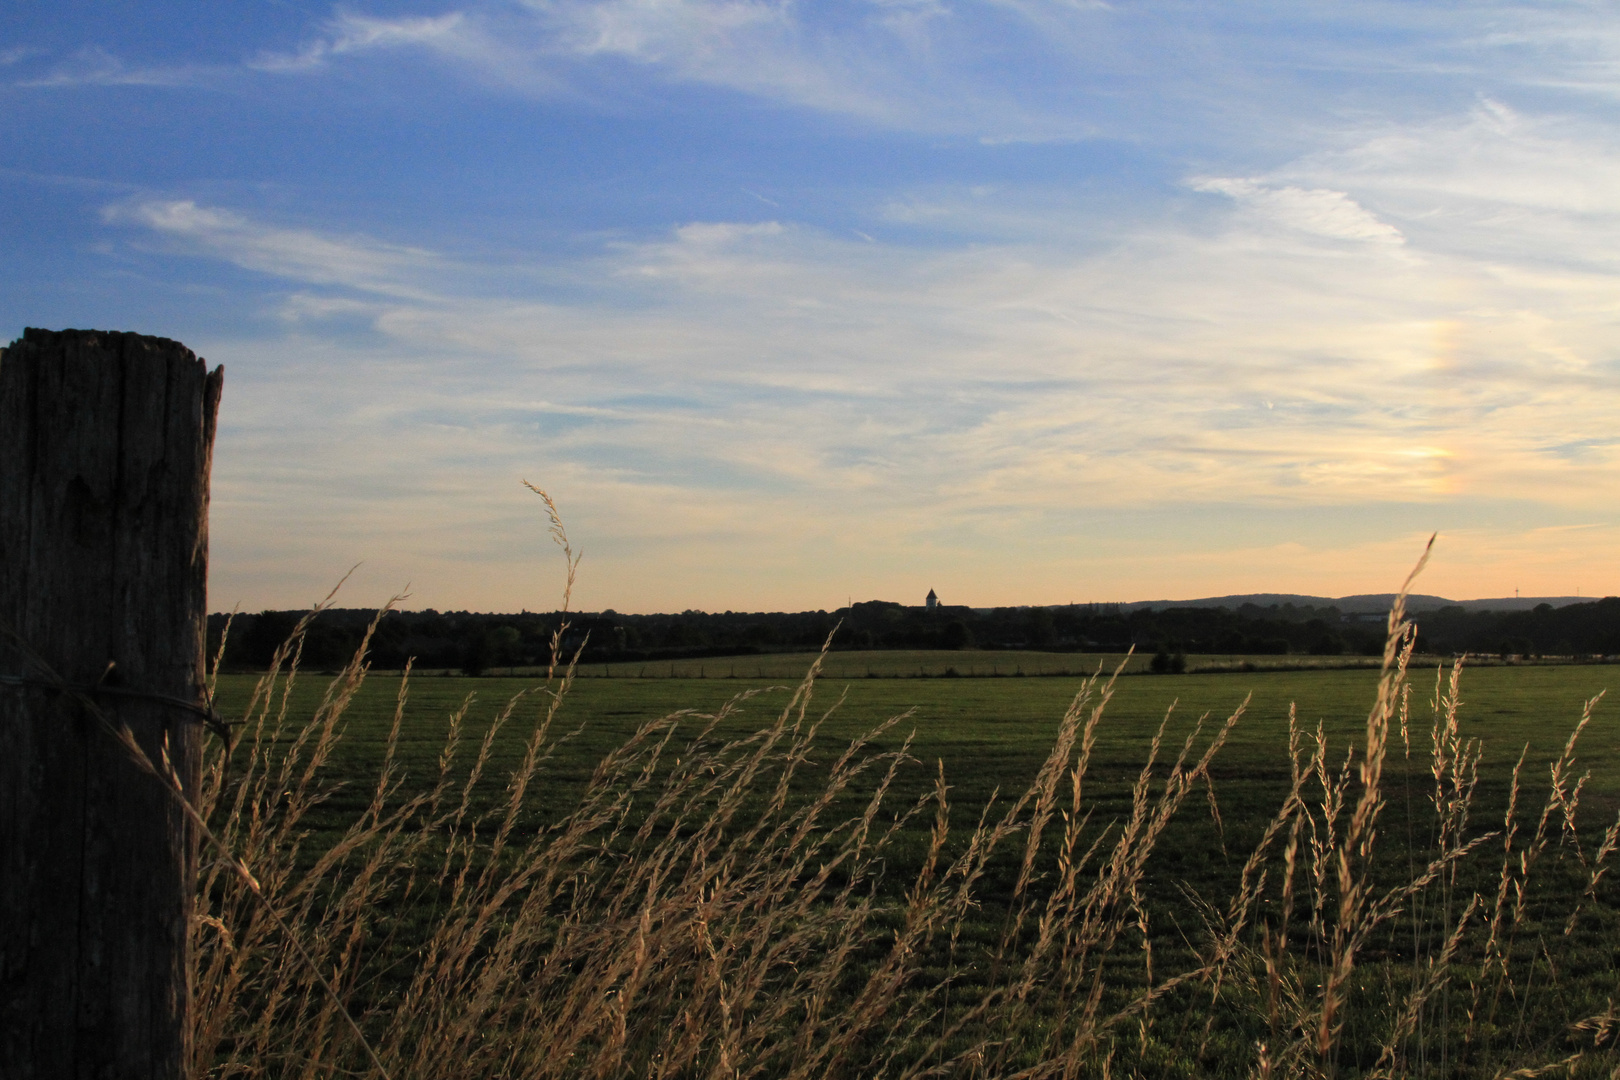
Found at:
(930, 663)
(990, 736)
(988, 732)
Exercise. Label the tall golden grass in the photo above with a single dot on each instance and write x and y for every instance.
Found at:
(718, 906)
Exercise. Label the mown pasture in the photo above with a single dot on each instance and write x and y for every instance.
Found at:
(922, 664)
(989, 733)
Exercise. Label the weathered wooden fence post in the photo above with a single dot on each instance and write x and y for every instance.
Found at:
(105, 447)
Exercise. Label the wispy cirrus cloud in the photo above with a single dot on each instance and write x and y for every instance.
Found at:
(298, 254)
(348, 33)
(761, 47)
(491, 45)
(95, 66)
(778, 391)
(893, 64)
(1318, 211)
(1091, 67)
(1087, 70)
(1174, 366)
(1495, 182)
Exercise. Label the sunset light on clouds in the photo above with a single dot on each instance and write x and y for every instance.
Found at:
(788, 303)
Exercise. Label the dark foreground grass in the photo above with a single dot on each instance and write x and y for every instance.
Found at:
(864, 876)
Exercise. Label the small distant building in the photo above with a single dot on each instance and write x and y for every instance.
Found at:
(932, 601)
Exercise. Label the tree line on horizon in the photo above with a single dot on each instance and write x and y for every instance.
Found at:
(476, 642)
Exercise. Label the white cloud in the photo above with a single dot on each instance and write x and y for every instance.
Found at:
(1493, 184)
(94, 66)
(683, 32)
(302, 306)
(1318, 211)
(871, 68)
(1266, 74)
(895, 64)
(299, 254)
(352, 33)
(1174, 367)
(498, 45)
(1103, 70)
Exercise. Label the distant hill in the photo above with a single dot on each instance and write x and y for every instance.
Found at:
(1363, 603)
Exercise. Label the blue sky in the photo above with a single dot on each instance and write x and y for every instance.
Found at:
(787, 303)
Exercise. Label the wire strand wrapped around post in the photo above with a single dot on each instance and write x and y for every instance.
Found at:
(208, 716)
